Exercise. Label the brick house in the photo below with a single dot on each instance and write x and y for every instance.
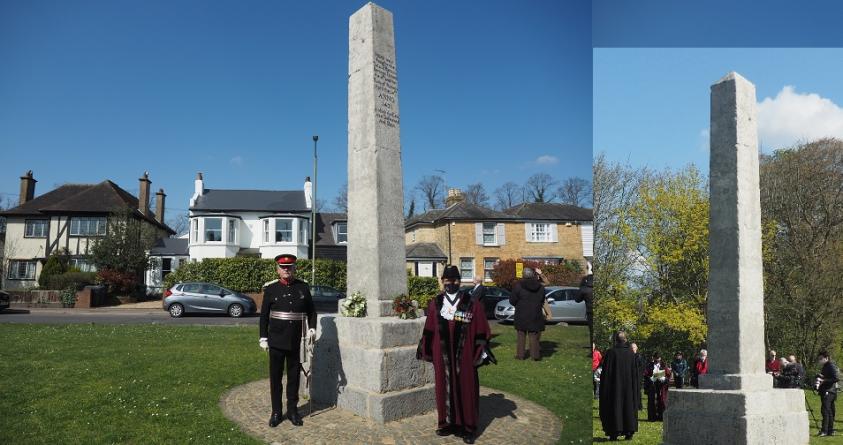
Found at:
(70, 218)
(475, 237)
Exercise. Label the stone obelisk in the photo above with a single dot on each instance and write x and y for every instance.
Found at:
(368, 365)
(736, 402)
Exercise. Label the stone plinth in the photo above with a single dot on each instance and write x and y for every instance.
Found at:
(704, 416)
(368, 366)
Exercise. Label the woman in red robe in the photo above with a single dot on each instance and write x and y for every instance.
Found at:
(454, 339)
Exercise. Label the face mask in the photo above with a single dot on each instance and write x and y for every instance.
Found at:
(452, 288)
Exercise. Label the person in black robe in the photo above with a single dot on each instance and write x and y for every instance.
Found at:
(658, 387)
(454, 338)
(620, 391)
(587, 294)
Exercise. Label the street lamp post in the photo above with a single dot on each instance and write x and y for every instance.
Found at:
(313, 219)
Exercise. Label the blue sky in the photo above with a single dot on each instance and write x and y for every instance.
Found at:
(716, 23)
(651, 106)
(493, 92)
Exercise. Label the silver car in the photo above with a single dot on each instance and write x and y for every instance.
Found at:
(562, 301)
(206, 298)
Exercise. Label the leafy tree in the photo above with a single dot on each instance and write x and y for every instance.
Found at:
(121, 255)
(802, 209)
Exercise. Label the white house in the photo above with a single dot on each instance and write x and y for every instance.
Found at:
(263, 223)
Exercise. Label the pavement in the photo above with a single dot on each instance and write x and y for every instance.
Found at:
(504, 419)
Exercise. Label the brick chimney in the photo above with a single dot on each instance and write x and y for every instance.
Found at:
(159, 206)
(143, 195)
(27, 188)
(454, 196)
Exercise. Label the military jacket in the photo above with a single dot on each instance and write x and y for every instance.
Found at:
(294, 297)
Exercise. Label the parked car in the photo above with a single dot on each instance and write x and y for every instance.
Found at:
(4, 300)
(493, 296)
(563, 306)
(326, 298)
(206, 298)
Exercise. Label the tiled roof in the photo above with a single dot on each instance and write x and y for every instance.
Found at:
(550, 211)
(458, 211)
(252, 200)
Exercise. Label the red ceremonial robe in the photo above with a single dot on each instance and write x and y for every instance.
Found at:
(455, 348)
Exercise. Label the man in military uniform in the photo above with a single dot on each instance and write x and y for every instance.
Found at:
(287, 305)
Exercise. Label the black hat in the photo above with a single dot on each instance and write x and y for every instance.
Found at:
(451, 272)
(285, 258)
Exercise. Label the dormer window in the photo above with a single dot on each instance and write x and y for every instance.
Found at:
(342, 232)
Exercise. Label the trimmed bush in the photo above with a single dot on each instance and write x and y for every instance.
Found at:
(248, 274)
(56, 264)
(422, 289)
(77, 280)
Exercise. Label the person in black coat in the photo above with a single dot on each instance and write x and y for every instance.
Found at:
(528, 297)
(827, 386)
(620, 390)
(287, 305)
(587, 294)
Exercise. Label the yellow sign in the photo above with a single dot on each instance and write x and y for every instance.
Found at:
(519, 269)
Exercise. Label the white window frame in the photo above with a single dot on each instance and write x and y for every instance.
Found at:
(28, 268)
(291, 231)
(493, 227)
(99, 226)
(540, 237)
(165, 272)
(467, 276)
(266, 231)
(339, 232)
(194, 230)
(206, 230)
(488, 270)
(231, 235)
(83, 264)
(30, 225)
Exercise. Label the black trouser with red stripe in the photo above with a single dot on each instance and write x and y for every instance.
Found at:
(277, 357)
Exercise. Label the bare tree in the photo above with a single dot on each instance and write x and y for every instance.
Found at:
(432, 188)
(341, 200)
(476, 194)
(540, 187)
(321, 205)
(179, 223)
(575, 191)
(508, 195)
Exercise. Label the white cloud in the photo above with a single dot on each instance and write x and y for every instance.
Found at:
(547, 160)
(237, 160)
(793, 117)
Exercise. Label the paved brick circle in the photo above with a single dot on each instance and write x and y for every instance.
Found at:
(504, 419)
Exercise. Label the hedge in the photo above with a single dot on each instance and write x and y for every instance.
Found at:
(422, 289)
(567, 273)
(68, 279)
(248, 274)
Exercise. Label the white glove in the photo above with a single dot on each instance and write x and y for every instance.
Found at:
(311, 331)
(264, 343)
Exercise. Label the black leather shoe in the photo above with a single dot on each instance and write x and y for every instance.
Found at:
(468, 438)
(445, 431)
(274, 420)
(295, 418)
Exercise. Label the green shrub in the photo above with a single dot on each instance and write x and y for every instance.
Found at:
(56, 264)
(422, 289)
(567, 273)
(248, 274)
(76, 280)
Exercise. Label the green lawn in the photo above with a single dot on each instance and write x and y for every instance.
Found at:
(561, 381)
(161, 384)
(651, 432)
